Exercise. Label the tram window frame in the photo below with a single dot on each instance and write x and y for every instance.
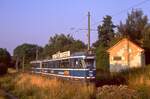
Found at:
(53, 64)
(71, 63)
(63, 63)
(91, 64)
(56, 64)
(49, 64)
(45, 64)
(79, 65)
(36, 65)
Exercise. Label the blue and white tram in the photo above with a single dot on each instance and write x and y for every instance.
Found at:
(77, 65)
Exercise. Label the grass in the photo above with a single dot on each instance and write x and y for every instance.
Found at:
(129, 83)
(137, 79)
(2, 96)
(27, 86)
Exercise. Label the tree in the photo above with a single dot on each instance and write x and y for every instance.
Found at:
(105, 36)
(105, 31)
(62, 43)
(5, 57)
(3, 68)
(135, 26)
(5, 61)
(146, 45)
(102, 58)
(27, 52)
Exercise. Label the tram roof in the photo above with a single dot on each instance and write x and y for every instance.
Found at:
(82, 55)
(71, 57)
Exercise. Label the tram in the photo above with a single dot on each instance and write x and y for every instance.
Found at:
(79, 65)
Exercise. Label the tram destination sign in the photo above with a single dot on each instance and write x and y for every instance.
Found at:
(61, 55)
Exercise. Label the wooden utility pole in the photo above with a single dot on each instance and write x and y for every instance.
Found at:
(23, 62)
(89, 31)
(128, 52)
(16, 65)
(37, 53)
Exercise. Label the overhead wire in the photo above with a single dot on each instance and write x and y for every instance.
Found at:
(124, 10)
(76, 30)
(82, 19)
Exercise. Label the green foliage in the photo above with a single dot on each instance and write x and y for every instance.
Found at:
(102, 58)
(62, 43)
(105, 36)
(5, 61)
(3, 69)
(105, 31)
(5, 56)
(146, 45)
(135, 26)
(28, 51)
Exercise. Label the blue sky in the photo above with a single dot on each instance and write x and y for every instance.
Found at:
(34, 21)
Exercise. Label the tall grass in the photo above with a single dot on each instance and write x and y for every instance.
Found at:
(137, 79)
(137, 76)
(2, 95)
(27, 86)
(30, 86)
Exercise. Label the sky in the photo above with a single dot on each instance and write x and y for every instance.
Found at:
(34, 21)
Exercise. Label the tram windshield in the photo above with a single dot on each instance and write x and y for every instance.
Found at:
(90, 63)
(76, 63)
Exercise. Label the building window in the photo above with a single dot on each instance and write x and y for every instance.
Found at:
(116, 58)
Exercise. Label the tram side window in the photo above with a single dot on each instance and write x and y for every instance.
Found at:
(45, 65)
(50, 64)
(55, 64)
(80, 63)
(72, 63)
(89, 63)
(64, 63)
(36, 65)
(76, 63)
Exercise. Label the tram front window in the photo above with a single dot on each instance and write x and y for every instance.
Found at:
(76, 63)
(89, 63)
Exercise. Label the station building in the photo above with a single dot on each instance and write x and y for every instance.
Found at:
(124, 55)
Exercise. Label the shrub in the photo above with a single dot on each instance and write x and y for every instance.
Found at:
(5, 56)
(116, 92)
(144, 91)
(3, 69)
(110, 80)
(102, 58)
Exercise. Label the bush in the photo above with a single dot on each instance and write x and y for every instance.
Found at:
(102, 58)
(107, 79)
(3, 69)
(117, 92)
(5, 57)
